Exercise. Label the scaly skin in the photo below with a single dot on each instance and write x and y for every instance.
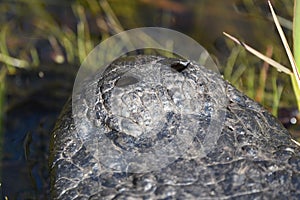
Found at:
(139, 109)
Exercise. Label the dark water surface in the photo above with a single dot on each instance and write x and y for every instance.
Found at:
(35, 97)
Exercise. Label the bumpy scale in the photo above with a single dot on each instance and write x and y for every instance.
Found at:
(160, 128)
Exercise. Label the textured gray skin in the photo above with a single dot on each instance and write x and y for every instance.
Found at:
(254, 157)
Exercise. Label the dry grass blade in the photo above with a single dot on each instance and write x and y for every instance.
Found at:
(272, 62)
(296, 142)
(286, 46)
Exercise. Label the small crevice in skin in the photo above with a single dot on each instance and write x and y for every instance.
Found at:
(180, 66)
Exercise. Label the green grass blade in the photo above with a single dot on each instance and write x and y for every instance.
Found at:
(230, 62)
(296, 43)
(286, 46)
(276, 97)
(296, 32)
(296, 90)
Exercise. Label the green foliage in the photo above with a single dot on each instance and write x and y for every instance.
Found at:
(296, 32)
(296, 45)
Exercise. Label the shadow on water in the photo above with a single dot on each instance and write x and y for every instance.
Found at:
(35, 96)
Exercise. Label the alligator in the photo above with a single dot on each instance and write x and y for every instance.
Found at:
(168, 128)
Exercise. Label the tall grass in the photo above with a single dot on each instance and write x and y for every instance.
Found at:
(295, 62)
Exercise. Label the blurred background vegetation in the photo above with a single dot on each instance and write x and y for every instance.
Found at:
(43, 42)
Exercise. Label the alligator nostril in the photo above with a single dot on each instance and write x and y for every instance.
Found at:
(126, 80)
(180, 66)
